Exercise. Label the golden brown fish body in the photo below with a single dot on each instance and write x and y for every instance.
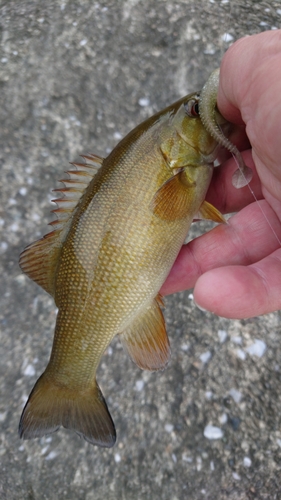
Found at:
(108, 257)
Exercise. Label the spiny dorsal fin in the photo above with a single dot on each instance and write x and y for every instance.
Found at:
(39, 260)
(146, 340)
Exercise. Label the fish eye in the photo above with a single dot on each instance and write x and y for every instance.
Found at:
(192, 108)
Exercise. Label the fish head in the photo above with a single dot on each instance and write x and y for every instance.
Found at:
(189, 143)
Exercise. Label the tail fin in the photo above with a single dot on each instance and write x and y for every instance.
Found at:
(49, 406)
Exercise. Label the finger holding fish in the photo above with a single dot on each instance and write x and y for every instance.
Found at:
(241, 261)
(221, 191)
(249, 80)
(244, 241)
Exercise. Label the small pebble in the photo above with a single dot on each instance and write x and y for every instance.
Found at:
(222, 336)
(117, 136)
(139, 385)
(52, 455)
(23, 191)
(29, 371)
(247, 462)
(223, 418)
(205, 357)
(117, 458)
(14, 227)
(185, 347)
(208, 395)
(236, 395)
(3, 416)
(144, 101)
(198, 463)
(169, 428)
(258, 348)
(227, 37)
(4, 246)
(236, 476)
(212, 432)
(235, 423)
(236, 340)
(240, 354)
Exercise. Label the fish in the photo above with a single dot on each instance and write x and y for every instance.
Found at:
(207, 110)
(121, 221)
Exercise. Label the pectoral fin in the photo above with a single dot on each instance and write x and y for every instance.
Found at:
(172, 200)
(146, 340)
(209, 212)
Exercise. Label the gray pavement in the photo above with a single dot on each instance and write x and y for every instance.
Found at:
(75, 77)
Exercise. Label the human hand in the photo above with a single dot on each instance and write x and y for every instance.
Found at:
(235, 268)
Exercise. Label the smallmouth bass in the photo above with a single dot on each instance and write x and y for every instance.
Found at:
(120, 225)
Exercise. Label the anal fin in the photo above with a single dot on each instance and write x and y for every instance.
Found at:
(146, 340)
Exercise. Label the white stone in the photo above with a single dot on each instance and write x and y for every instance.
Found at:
(227, 37)
(240, 354)
(236, 476)
(139, 385)
(223, 418)
(208, 395)
(222, 334)
(213, 432)
(144, 101)
(205, 357)
(52, 455)
(23, 191)
(236, 395)
(258, 348)
(169, 428)
(185, 347)
(247, 462)
(29, 371)
(117, 136)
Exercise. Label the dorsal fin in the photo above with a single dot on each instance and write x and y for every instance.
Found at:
(39, 260)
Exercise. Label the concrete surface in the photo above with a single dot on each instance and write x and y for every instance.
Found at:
(75, 77)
